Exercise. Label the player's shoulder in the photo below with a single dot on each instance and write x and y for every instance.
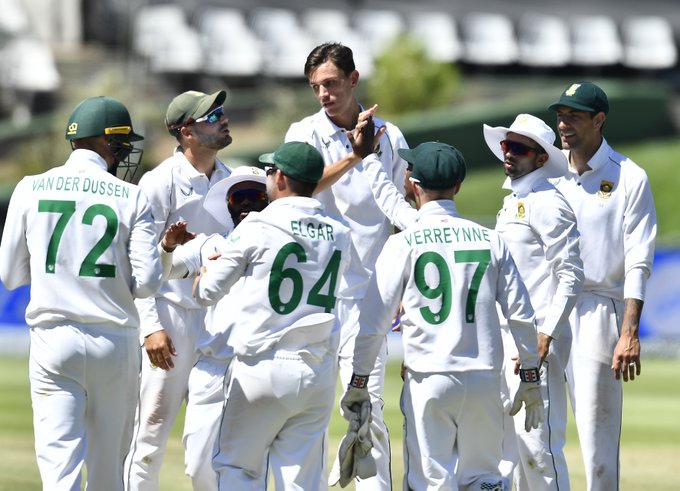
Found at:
(303, 130)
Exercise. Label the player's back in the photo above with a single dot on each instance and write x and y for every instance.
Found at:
(451, 279)
(90, 241)
(296, 257)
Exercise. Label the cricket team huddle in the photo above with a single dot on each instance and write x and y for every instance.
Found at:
(246, 292)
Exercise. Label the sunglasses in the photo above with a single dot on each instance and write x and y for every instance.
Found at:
(270, 169)
(517, 148)
(409, 167)
(252, 195)
(212, 117)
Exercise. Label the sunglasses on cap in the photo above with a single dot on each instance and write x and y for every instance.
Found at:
(212, 117)
(518, 149)
(252, 195)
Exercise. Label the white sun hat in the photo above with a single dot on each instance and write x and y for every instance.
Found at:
(534, 128)
(215, 201)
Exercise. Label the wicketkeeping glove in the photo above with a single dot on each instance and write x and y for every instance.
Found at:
(356, 394)
(530, 394)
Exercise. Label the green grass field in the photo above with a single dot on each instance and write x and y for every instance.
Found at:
(650, 445)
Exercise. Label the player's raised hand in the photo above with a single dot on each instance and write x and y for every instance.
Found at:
(364, 138)
(176, 234)
(160, 349)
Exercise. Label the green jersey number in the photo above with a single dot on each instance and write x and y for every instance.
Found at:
(89, 266)
(443, 287)
(279, 274)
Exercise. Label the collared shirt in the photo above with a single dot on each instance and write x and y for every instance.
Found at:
(176, 191)
(290, 261)
(616, 217)
(85, 242)
(448, 272)
(351, 197)
(539, 228)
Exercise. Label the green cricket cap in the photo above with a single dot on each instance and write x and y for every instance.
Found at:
(435, 165)
(298, 160)
(98, 116)
(583, 96)
(191, 105)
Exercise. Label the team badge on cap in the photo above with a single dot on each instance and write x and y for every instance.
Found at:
(572, 90)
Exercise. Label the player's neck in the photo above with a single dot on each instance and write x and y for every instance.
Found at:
(348, 119)
(579, 157)
(203, 159)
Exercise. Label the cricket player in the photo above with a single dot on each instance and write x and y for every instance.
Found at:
(173, 321)
(244, 191)
(450, 272)
(614, 208)
(345, 191)
(539, 228)
(293, 261)
(84, 240)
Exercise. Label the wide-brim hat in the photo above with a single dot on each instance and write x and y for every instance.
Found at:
(215, 201)
(534, 128)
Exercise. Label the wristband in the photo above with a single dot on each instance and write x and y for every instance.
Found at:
(358, 381)
(530, 375)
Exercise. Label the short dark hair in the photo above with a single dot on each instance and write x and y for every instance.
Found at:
(301, 188)
(340, 55)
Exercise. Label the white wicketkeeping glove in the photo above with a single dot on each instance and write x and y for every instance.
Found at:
(356, 394)
(529, 393)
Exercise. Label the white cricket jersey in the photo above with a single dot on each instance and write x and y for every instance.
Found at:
(176, 191)
(351, 197)
(85, 242)
(186, 262)
(616, 217)
(450, 272)
(539, 228)
(292, 258)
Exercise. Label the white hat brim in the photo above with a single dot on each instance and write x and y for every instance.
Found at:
(215, 201)
(555, 166)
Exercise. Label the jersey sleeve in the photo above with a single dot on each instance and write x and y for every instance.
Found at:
(556, 224)
(158, 194)
(397, 141)
(222, 273)
(387, 195)
(384, 293)
(144, 257)
(639, 234)
(15, 269)
(513, 299)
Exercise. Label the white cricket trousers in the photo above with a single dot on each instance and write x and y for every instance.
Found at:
(207, 387)
(348, 313)
(160, 396)
(453, 431)
(596, 396)
(537, 457)
(83, 384)
(277, 409)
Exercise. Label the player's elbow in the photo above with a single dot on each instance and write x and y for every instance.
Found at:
(148, 286)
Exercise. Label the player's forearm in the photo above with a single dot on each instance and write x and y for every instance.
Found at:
(632, 311)
(387, 196)
(333, 172)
